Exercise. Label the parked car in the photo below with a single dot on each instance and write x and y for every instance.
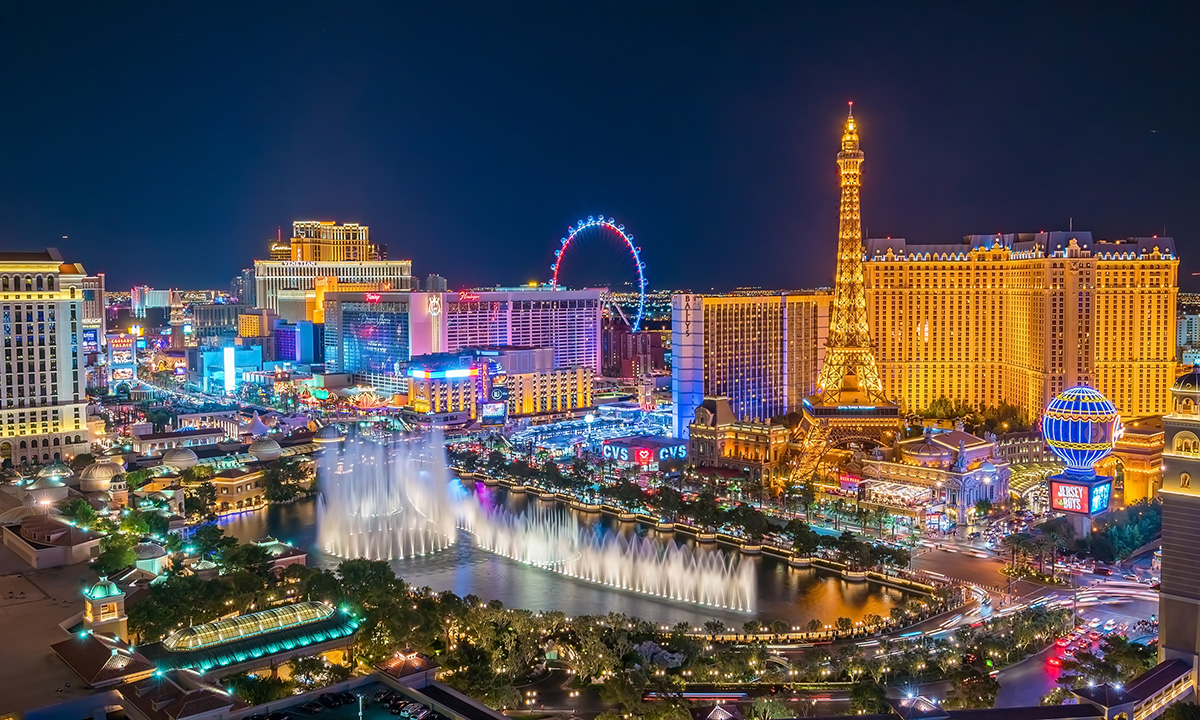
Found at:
(329, 700)
(312, 707)
(279, 715)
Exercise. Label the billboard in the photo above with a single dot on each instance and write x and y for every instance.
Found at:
(493, 413)
(1082, 498)
(91, 340)
(644, 451)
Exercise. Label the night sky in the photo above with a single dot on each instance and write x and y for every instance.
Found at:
(170, 140)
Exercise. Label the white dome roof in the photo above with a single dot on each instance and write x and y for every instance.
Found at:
(101, 470)
(58, 469)
(180, 457)
(329, 433)
(45, 482)
(99, 476)
(265, 449)
(149, 551)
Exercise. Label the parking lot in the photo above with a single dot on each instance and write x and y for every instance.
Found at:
(379, 702)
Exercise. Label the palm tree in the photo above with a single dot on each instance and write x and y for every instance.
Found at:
(1018, 544)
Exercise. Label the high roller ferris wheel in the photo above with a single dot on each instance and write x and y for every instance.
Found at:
(599, 227)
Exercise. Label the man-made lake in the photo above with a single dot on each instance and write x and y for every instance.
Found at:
(784, 593)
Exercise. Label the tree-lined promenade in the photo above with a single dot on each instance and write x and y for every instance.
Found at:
(488, 651)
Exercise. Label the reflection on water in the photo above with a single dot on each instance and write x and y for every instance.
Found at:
(790, 594)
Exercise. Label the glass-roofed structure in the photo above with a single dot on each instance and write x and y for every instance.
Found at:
(236, 640)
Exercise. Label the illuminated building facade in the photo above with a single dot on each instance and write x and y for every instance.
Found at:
(376, 333)
(444, 385)
(42, 402)
(1021, 317)
(849, 403)
(717, 439)
(549, 391)
(629, 354)
(942, 474)
(326, 241)
(1179, 600)
(95, 311)
(761, 352)
(273, 276)
(256, 323)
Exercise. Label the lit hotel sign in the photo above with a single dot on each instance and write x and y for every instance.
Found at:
(1085, 499)
(373, 297)
(440, 374)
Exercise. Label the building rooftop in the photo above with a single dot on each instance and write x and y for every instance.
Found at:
(176, 434)
(236, 640)
(243, 626)
(178, 695)
(47, 255)
(101, 660)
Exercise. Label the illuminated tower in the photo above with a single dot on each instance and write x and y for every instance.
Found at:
(849, 368)
(849, 405)
(177, 320)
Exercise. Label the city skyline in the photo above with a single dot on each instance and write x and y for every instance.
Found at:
(448, 157)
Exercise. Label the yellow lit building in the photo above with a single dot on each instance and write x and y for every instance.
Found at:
(326, 241)
(446, 391)
(238, 488)
(719, 440)
(257, 323)
(1022, 317)
(551, 390)
(761, 352)
(42, 402)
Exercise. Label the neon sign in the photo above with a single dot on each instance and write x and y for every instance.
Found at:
(1080, 498)
(468, 296)
(643, 455)
(1068, 498)
(373, 297)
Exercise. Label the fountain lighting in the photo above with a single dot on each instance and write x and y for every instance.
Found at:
(385, 498)
(554, 540)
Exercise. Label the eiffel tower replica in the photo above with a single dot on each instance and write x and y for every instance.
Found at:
(849, 403)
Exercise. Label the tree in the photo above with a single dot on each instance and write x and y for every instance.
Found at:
(1182, 711)
(983, 507)
(81, 461)
(136, 478)
(247, 558)
(972, 688)
(496, 462)
(200, 499)
(844, 624)
(210, 538)
(116, 552)
(315, 672)
(257, 690)
(79, 510)
(868, 698)
(714, 627)
(814, 625)
(196, 474)
(768, 708)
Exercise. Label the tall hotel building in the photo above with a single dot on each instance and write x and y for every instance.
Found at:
(1022, 317)
(324, 250)
(762, 352)
(374, 334)
(42, 403)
